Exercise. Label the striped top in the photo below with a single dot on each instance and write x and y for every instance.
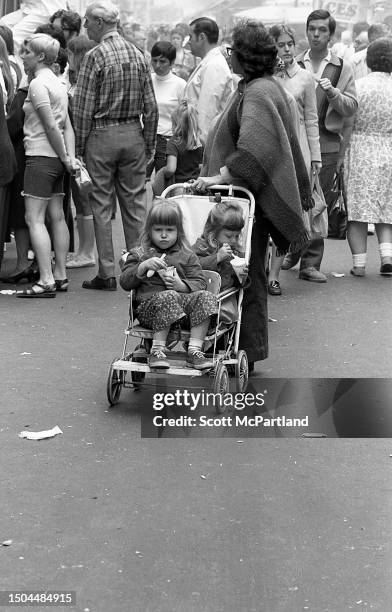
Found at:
(114, 86)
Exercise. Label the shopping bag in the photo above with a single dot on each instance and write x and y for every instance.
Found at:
(337, 208)
(318, 215)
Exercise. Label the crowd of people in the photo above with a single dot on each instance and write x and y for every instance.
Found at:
(250, 112)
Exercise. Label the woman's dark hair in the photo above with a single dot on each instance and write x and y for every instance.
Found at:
(164, 48)
(379, 55)
(53, 32)
(207, 26)
(277, 31)
(6, 34)
(225, 215)
(78, 46)
(255, 49)
(322, 14)
(62, 59)
(164, 212)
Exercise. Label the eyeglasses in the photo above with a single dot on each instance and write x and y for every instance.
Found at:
(288, 44)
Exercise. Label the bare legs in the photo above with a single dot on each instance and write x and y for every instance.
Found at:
(357, 240)
(40, 239)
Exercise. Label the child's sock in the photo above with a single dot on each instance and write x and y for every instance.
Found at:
(359, 260)
(195, 345)
(158, 345)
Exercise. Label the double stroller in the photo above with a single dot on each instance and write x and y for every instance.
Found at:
(131, 370)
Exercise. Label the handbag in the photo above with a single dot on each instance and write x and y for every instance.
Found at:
(318, 215)
(337, 208)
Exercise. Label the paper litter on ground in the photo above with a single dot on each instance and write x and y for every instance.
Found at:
(41, 435)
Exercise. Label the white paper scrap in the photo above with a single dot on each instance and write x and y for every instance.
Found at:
(337, 274)
(41, 435)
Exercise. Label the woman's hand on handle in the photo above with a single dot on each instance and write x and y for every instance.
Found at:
(204, 182)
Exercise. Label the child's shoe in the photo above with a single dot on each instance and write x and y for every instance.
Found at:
(158, 359)
(199, 361)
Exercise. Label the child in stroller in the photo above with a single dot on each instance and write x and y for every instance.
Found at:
(219, 245)
(169, 284)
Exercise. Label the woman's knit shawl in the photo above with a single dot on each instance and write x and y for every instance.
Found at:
(254, 137)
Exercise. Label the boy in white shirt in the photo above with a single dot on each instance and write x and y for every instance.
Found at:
(169, 93)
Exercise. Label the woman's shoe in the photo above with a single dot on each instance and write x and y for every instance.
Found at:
(274, 288)
(38, 291)
(61, 285)
(31, 274)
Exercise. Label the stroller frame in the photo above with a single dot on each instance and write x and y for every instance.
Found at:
(229, 361)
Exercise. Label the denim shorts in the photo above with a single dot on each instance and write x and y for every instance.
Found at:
(43, 177)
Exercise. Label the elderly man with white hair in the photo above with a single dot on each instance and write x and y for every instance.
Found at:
(115, 118)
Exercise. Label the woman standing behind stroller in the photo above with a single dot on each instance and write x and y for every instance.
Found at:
(169, 284)
(50, 150)
(253, 144)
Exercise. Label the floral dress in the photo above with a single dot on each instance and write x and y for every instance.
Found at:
(369, 157)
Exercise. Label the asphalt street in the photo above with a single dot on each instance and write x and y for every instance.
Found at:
(226, 522)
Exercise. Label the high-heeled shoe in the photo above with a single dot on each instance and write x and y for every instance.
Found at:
(31, 274)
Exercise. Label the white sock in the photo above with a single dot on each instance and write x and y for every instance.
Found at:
(359, 260)
(195, 345)
(385, 249)
(158, 344)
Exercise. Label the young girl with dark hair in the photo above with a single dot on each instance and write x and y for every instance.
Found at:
(169, 284)
(220, 244)
(221, 241)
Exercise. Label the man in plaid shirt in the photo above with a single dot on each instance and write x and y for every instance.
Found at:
(115, 119)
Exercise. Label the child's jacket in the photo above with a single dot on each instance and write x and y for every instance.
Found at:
(186, 262)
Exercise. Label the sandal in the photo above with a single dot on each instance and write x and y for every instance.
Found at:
(61, 285)
(48, 291)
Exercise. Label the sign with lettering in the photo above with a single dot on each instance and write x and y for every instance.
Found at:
(342, 10)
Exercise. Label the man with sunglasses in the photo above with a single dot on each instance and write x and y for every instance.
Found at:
(115, 119)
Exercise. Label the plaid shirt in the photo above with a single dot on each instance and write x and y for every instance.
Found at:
(114, 86)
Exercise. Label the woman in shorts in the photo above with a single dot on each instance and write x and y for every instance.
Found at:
(50, 151)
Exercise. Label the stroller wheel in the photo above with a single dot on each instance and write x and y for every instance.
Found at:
(221, 386)
(114, 384)
(241, 372)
